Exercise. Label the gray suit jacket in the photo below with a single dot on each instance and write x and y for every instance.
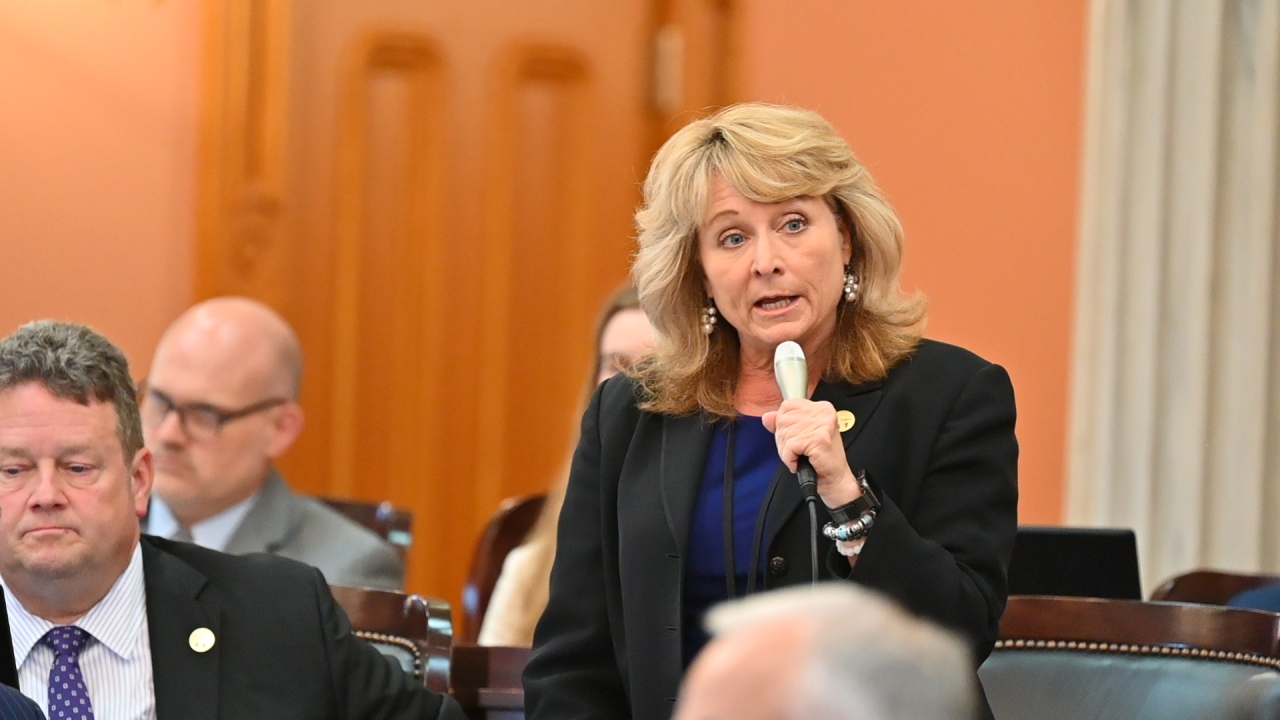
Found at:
(306, 530)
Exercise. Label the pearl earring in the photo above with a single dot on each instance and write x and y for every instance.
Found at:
(709, 317)
(851, 285)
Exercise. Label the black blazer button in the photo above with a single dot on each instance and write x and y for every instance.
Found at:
(778, 566)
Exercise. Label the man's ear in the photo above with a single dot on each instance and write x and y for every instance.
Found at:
(288, 426)
(142, 475)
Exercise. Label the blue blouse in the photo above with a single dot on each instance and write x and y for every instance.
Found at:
(755, 464)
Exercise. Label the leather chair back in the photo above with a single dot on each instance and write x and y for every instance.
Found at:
(1078, 659)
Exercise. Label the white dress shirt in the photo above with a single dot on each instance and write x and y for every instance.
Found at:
(213, 533)
(116, 663)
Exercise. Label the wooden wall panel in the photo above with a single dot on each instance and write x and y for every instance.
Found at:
(455, 201)
(240, 248)
(696, 65)
(542, 224)
(391, 260)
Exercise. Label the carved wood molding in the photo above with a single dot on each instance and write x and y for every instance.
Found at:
(243, 146)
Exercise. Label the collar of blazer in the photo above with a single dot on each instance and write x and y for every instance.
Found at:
(276, 516)
(186, 681)
(687, 439)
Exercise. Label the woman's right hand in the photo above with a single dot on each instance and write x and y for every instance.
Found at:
(806, 428)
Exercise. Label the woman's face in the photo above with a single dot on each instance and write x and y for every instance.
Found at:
(626, 338)
(775, 270)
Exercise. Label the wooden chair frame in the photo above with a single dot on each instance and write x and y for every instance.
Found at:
(422, 626)
(1209, 587)
(489, 677)
(507, 529)
(1142, 628)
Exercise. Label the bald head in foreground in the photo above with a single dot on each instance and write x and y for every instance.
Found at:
(832, 652)
(219, 407)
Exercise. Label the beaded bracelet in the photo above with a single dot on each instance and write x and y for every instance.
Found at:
(850, 549)
(852, 530)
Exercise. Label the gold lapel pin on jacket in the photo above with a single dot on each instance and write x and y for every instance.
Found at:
(201, 639)
(845, 420)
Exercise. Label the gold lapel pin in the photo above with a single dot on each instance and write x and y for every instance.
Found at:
(845, 420)
(201, 639)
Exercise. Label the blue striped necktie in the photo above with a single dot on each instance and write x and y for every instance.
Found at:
(68, 695)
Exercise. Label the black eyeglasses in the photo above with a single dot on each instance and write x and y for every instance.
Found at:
(200, 421)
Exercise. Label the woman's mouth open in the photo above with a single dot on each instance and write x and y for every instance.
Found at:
(771, 304)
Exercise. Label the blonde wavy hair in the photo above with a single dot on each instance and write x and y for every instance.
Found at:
(768, 153)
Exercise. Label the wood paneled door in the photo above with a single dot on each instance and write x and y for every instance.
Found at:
(438, 195)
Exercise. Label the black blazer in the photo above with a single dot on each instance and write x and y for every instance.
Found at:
(13, 704)
(936, 439)
(283, 648)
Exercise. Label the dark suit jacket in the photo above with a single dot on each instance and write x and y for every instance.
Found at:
(283, 648)
(13, 704)
(8, 667)
(16, 706)
(936, 439)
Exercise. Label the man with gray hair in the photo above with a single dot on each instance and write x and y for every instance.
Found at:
(109, 624)
(831, 652)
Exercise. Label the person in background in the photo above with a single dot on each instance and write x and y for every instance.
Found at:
(219, 406)
(623, 335)
(139, 626)
(829, 652)
(759, 226)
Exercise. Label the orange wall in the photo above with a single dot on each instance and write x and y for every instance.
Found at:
(969, 113)
(98, 139)
(970, 116)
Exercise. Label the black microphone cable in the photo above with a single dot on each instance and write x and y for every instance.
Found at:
(809, 486)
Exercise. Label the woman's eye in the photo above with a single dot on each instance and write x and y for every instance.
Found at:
(732, 240)
(794, 225)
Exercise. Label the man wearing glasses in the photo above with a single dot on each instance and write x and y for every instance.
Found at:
(108, 624)
(219, 406)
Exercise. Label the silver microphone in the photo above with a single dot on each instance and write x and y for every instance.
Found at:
(792, 373)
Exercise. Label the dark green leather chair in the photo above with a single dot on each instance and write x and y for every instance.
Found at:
(1085, 659)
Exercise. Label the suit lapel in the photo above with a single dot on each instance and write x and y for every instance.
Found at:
(861, 400)
(271, 521)
(186, 681)
(8, 667)
(685, 440)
